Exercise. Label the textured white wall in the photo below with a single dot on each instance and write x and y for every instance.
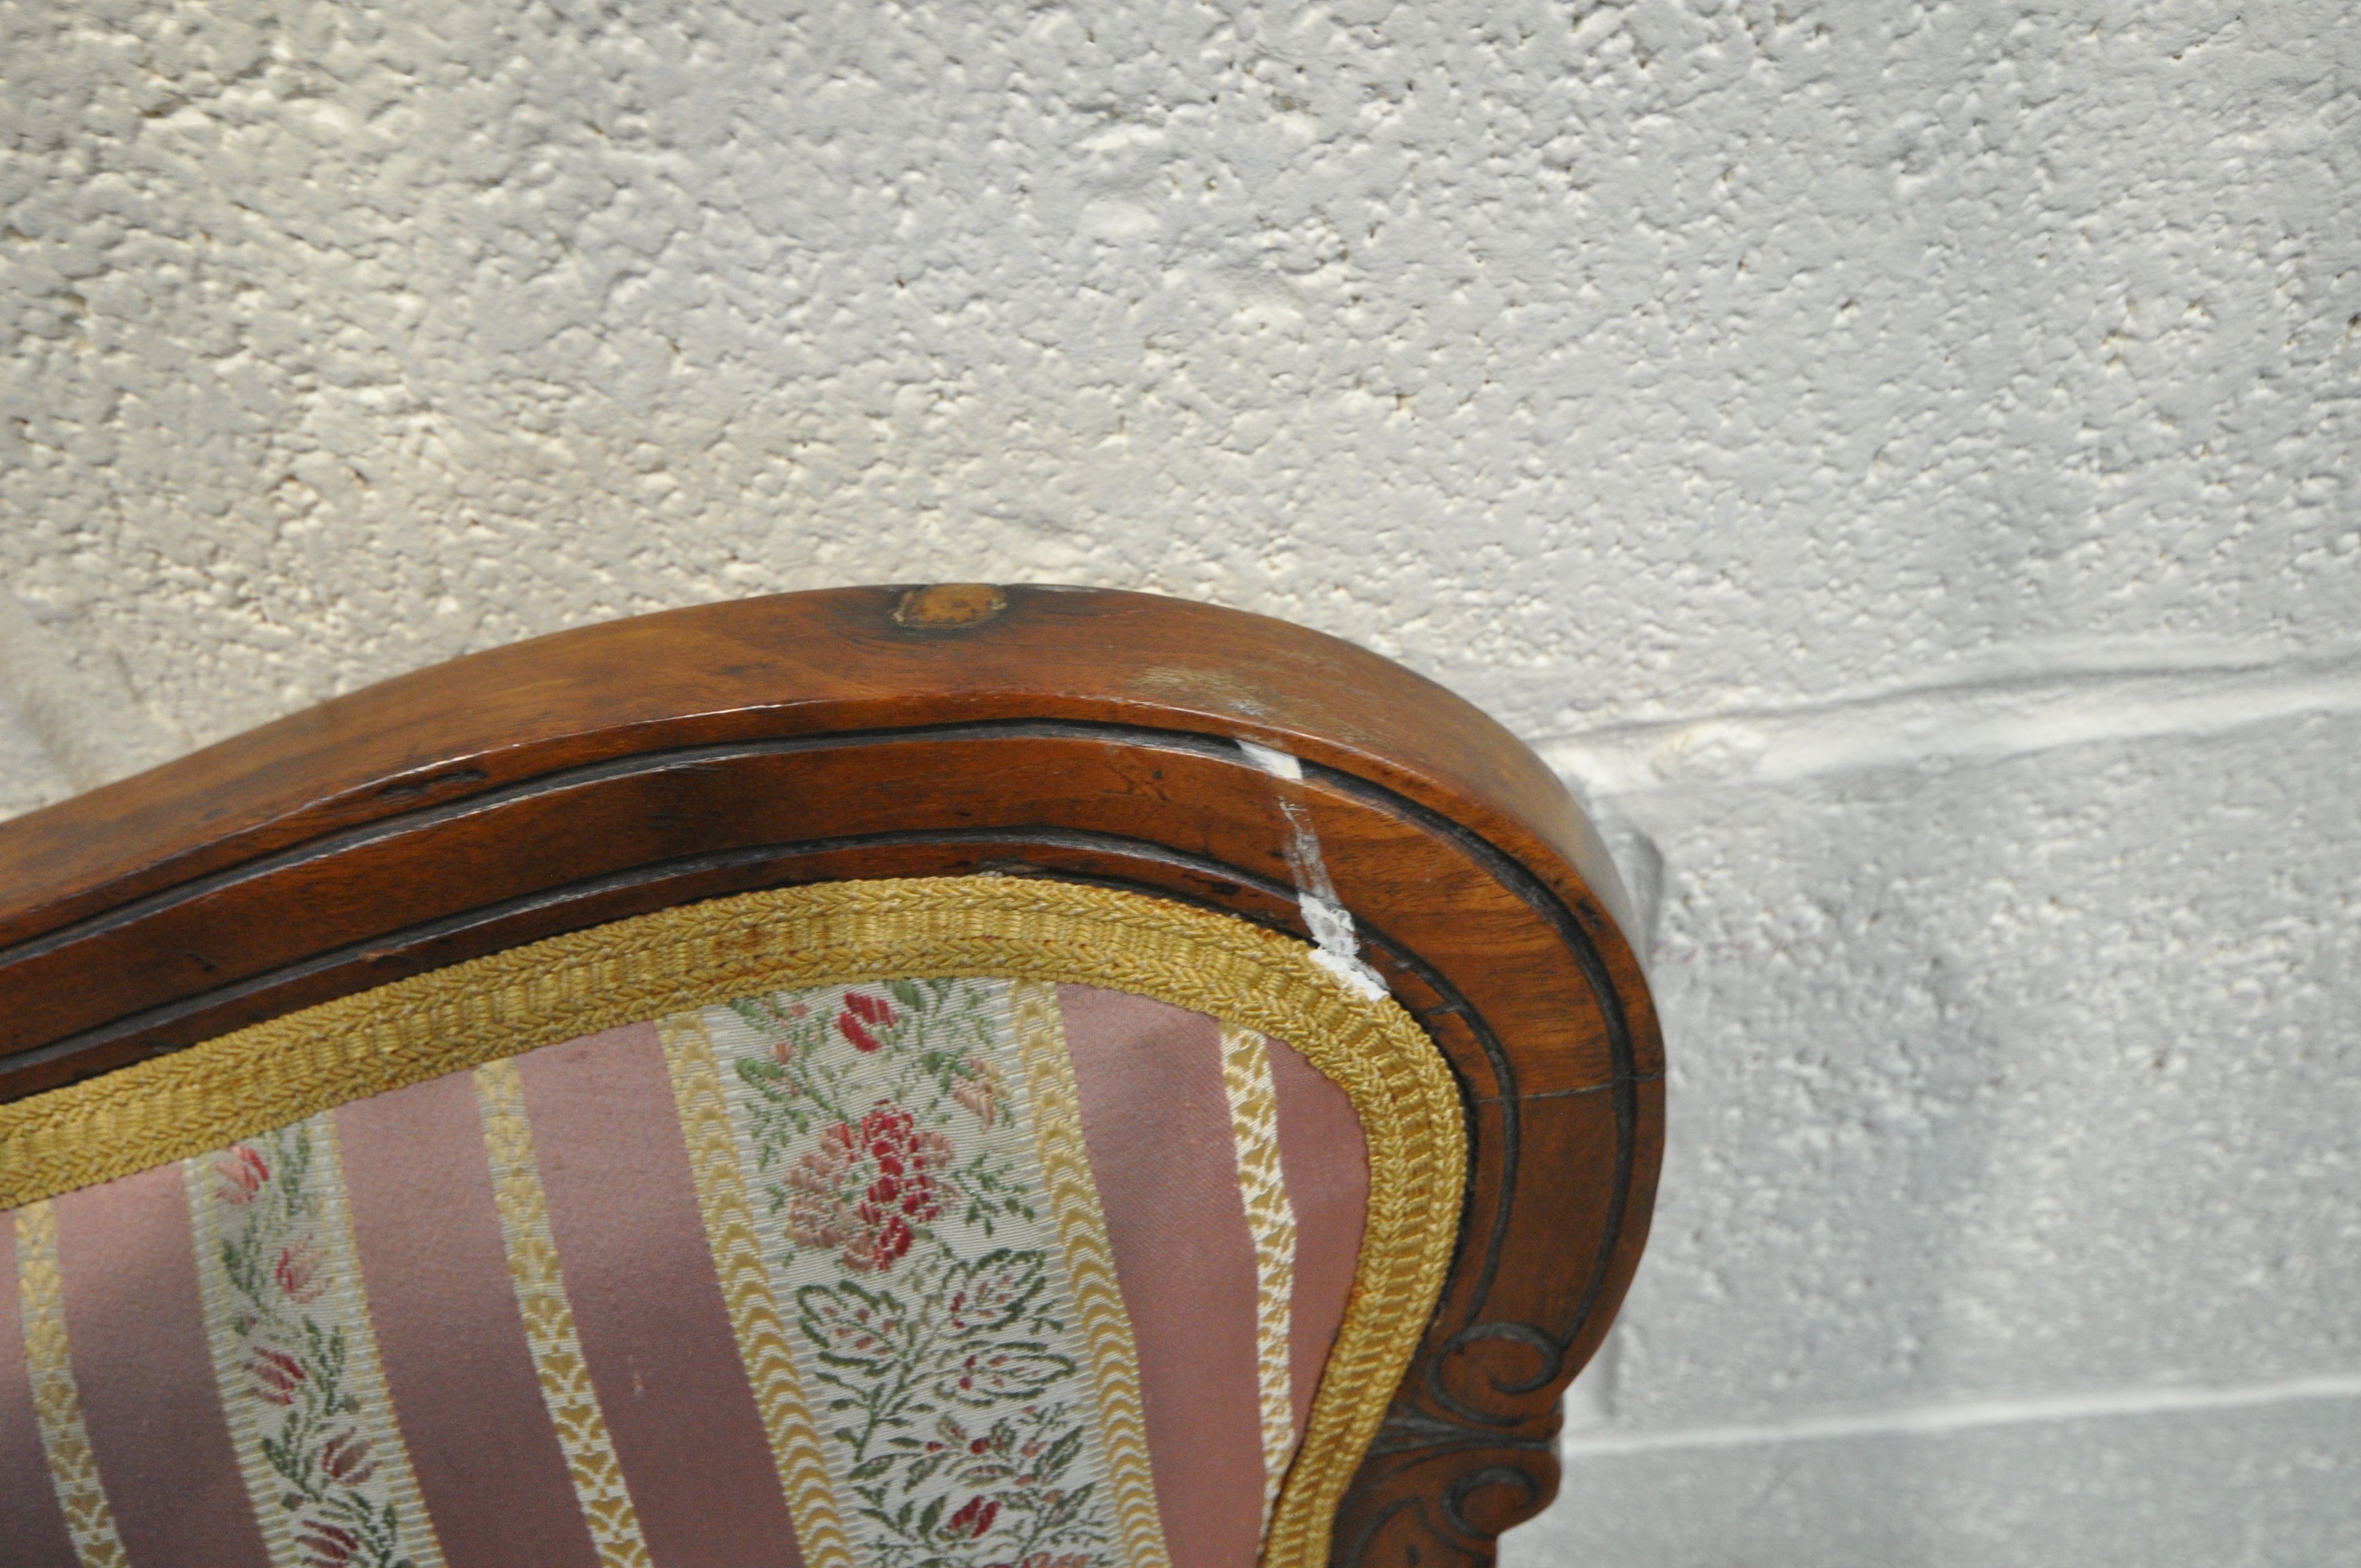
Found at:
(1897, 458)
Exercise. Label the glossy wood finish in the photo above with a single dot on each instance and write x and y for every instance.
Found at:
(876, 732)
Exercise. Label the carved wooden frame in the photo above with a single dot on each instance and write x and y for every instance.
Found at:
(888, 731)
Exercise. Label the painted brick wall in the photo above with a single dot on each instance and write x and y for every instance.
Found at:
(1897, 459)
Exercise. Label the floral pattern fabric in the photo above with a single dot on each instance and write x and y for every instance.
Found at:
(904, 1224)
(295, 1359)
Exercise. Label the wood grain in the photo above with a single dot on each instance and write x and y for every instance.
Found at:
(939, 730)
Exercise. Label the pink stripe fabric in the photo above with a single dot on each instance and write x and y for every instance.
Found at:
(147, 1377)
(1326, 1163)
(649, 1313)
(653, 1324)
(427, 1230)
(32, 1527)
(1157, 1123)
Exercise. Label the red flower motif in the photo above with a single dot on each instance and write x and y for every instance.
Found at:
(239, 1174)
(888, 1242)
(872, 1009)
(346, 1458)
(327, 1545)
(831, 1204)
(974, 1516)
(861, 1013)
(276, 1375)
(298, 1270)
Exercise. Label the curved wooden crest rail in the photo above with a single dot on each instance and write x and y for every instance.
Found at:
(886, 732)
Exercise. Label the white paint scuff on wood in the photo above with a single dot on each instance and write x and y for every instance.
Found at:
(1330, 922)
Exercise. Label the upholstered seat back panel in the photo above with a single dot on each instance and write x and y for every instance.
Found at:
(972, 1270)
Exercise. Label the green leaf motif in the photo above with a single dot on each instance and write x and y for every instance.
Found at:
(992, 1294)
(852, 1326)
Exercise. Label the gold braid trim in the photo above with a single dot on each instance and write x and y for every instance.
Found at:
(57, 1401)
(547, 1313)
(839, 933)
(1056, 1104)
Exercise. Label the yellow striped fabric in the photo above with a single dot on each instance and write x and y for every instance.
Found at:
(746, 1286)
(1055, 1100)
(548, 1315)
(56, 1402)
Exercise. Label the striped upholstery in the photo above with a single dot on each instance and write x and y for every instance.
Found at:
(987, 1271)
